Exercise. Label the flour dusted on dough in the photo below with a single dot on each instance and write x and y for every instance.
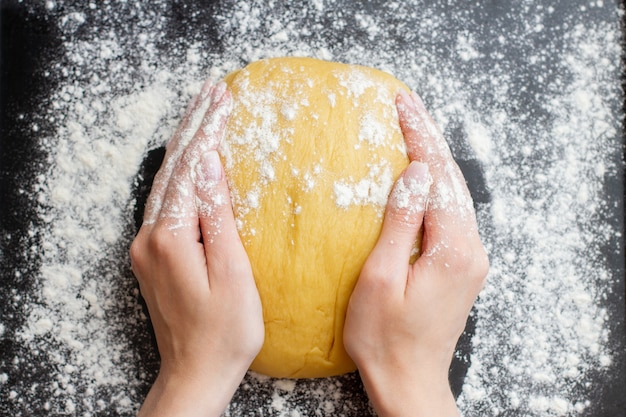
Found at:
(309, 225)
(548, 145)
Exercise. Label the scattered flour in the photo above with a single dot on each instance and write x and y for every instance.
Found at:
(479, 138)
(544, 126)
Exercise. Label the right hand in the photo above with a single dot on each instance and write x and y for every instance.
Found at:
(403, 321)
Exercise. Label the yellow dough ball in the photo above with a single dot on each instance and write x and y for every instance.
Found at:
(311, 151)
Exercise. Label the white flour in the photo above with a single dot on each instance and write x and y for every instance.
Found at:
(547, 154)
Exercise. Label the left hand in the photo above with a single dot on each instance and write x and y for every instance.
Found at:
(194, 273)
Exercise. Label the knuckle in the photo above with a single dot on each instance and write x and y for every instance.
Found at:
(401, 220)
(238, 268)
(231, 265)
(472, 262)
(459, 257)
(160, 243)
(405, 208)
(481, 267)
(373, 271)
(378, 276)
(137, 253)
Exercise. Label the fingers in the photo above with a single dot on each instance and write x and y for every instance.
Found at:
(450, 217)
(222, 245)
(195, 201)
(225, 254)
(403, 219)
(179, 206)
(193, 116)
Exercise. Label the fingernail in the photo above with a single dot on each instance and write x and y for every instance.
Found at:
(411, 193)
(406, 98)
(212, 166)
(417, 170)
(417, 178)
(206, 89)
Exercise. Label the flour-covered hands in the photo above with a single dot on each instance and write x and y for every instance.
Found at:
(194, 273)
(404, 319)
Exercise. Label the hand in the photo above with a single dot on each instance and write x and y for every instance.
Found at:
(194, 272)
(403, 321)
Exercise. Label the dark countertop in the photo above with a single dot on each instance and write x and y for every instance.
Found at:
(34, 44)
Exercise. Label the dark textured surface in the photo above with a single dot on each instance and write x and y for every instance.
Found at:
(30, 43)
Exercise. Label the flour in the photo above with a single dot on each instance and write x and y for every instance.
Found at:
(411, 193)
(372, 131)
(547, 145)
(373, 190)
(479, 138)
(355, 82)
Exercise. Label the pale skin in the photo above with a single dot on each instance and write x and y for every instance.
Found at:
(402, 323)
(197, 282)
(403, 320)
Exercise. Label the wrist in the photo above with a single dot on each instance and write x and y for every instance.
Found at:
(420, 390)
(191, 393)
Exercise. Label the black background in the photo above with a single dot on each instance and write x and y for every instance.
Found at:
(28, 43)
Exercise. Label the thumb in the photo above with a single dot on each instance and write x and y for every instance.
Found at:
(403, 216)
(221, 240)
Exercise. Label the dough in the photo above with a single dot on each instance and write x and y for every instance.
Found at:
(311, 152)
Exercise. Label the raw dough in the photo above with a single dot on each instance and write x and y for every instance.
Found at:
(311, 152)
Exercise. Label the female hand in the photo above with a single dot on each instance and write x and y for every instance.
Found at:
(403, 321)
(194, 273)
